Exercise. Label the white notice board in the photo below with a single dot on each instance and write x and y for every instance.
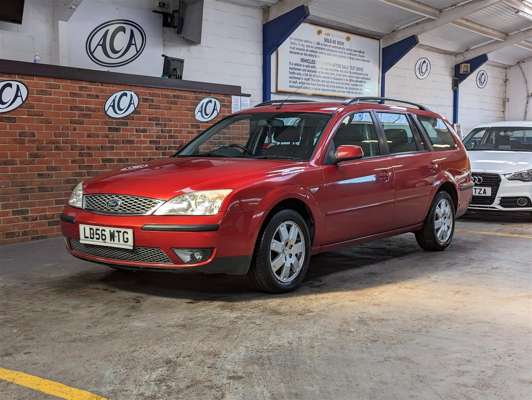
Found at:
(326, 62)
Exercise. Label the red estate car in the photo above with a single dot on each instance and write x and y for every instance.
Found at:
(261, 191)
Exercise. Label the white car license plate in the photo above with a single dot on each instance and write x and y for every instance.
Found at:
(482, 191)
(106, 236)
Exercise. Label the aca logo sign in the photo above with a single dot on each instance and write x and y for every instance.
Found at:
(121, 104)
(482, 79)
(116, 43)
(423, 68)
(207, 109)
(12, 95)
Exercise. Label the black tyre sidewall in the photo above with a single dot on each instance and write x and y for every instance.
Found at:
(261, 271)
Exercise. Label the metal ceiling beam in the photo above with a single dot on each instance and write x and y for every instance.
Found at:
(415, 7)
(494, 46)
(519, 5)
(445, 17)
(426, 11)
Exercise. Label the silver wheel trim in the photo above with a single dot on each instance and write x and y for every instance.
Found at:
(287, 252)
(443, 221)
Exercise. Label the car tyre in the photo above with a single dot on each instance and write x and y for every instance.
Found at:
(438, 229)
(282, 254)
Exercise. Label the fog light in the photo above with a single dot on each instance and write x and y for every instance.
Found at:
(522, 201)
(193, 256)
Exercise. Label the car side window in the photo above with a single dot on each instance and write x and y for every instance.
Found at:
(475, 138)
(438, 132)
(398, 132)
(357, 129)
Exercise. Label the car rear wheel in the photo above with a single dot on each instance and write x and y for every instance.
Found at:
(282, 255)
(438, 231)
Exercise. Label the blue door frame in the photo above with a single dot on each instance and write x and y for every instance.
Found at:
(392, 54)
(274, 33)
(475, 63)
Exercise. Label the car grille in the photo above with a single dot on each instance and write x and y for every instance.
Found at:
(491, 180)
(139, 254)
(120, 204)
(516, 202)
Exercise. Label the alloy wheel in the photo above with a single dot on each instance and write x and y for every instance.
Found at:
(287, 251)
(443, 221)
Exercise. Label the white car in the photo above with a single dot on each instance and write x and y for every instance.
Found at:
(501, 163)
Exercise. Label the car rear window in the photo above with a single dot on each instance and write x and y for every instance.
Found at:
(439, 134)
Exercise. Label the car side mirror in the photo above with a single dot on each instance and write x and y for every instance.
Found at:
(348, 152)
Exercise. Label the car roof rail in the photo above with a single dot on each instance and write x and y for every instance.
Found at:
(382, 100)
(281, 102)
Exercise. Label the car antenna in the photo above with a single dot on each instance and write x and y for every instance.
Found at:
(282, 102)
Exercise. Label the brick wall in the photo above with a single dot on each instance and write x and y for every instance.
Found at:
(61, 136)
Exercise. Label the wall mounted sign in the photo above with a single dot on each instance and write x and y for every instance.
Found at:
(12, 95)
(327, 62)
(482, 79)
(121, 104)
(423, 68)
(207, 109)
(107, 36)
(115, 43)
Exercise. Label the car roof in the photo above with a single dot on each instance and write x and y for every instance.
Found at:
(335, 107)
(506, 124)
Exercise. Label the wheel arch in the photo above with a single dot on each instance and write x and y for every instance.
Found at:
(296, 204)
(450, 188)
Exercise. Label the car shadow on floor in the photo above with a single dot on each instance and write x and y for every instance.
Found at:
(359, 267)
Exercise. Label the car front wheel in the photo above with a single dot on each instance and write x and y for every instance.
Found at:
(282, 255)
(438, 230)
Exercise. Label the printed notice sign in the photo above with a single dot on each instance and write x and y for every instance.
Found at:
(327, 62)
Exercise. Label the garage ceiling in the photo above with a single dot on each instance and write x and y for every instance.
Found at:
(450, 26)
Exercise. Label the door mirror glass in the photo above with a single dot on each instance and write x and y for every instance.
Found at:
(348, 152)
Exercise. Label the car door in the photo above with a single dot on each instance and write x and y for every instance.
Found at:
(413, 166)
(357, 196)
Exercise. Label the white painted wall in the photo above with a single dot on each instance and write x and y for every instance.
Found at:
(36, 35)
(486, 105)
(476, 105)
(230, 52)
(517, 92)
(434, 92)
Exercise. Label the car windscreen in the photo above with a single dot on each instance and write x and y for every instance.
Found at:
(260, 136)
(499, 138)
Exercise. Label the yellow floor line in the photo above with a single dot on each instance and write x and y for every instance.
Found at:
(46, 386)
(501, 234)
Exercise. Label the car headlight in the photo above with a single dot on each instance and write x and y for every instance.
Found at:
(207, 202)
(525, 176)
(76, 198)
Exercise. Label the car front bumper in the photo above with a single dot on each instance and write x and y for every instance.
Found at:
(156, 237)
(509, 196)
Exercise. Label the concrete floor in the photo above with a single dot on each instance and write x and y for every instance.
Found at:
(380, 321)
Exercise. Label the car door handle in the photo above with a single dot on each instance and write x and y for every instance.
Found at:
(384, 175)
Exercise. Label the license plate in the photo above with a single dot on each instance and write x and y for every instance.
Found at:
(106, 236)
(482, 191)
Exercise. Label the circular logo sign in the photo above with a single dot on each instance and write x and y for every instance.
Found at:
(207, 109)
(116, 43)
(482, 79)
(121, 104)
(423, 68)
(12, 95)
